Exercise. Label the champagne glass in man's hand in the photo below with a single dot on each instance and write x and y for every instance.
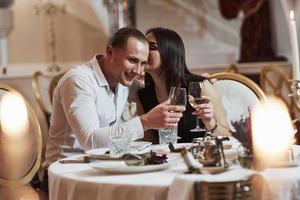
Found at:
(195, 99)
(177, 96)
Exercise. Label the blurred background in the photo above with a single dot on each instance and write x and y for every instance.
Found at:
(51, 36)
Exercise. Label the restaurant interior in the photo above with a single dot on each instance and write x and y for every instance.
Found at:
(249, 49)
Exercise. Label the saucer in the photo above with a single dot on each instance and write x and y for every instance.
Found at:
(213, 170)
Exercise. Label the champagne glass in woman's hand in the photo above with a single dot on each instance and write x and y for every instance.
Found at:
(195, 99)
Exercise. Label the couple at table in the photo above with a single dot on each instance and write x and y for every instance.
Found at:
(89, 99)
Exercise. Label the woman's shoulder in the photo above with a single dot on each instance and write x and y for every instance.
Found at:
(194, 78)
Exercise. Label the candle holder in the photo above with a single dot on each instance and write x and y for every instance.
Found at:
(209, 151)
(251, 161)
(295, 87)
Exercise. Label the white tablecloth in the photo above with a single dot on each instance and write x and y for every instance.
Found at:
(281, 183)
(80, 181)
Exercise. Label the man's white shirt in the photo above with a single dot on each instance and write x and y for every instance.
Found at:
(85, 110)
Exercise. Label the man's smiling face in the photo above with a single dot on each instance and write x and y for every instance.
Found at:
(128, 62)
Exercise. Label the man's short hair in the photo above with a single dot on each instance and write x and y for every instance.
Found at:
(120, 38)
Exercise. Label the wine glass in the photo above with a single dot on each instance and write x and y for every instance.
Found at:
(177, 97)
(196, 99)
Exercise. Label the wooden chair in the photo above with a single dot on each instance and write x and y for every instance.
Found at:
(53, 84)
(274, 81)
(239, 94)
(247, 189)
(20, 147)
(43, 87)
(40, 84)
(232, 69)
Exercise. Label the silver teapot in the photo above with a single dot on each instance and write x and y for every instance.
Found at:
(209, 151)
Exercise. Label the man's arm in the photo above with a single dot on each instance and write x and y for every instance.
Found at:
(79, 103)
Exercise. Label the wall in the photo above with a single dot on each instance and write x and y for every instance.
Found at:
(76, 38)
(209, 38)
(79, 35)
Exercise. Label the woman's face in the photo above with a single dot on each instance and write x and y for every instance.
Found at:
(154, 56)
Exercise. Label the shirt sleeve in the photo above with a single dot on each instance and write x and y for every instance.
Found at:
(78, 100)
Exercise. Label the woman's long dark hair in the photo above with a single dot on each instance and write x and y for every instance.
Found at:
(172, 55)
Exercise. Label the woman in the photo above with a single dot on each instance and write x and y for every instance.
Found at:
(166, 68)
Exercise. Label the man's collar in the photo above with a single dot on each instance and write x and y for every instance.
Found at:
(101, 79)
(96, 67)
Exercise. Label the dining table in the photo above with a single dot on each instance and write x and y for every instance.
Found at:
(74, 181)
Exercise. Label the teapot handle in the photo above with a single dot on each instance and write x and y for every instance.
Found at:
(220, 145)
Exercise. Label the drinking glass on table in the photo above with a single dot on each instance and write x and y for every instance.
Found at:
(119, 140)
(195, 99)
(177, 96)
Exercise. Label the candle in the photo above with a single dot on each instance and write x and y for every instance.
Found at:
(14, 119)
(295, 50)
(3, 53)
(272, 132)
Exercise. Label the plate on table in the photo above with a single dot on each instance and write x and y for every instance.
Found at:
(164, 149)
(100, 153)
(184, 145)
(213, 170)
(120, 167)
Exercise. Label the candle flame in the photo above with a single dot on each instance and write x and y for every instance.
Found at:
(13, 115)
(272, 131)
(291, 15)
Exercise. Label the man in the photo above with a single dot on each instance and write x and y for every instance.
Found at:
(89, 99)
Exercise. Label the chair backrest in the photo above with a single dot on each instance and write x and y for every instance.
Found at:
(20, 146)
(40, 84)
(232, 68)
(239, 94)
(53, 84)
(275, 81)
(229, 190)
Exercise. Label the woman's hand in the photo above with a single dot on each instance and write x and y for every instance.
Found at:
(205, 112)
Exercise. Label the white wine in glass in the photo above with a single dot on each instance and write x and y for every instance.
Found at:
(196, 99)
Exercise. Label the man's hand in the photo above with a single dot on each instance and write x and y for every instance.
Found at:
(162, 116)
